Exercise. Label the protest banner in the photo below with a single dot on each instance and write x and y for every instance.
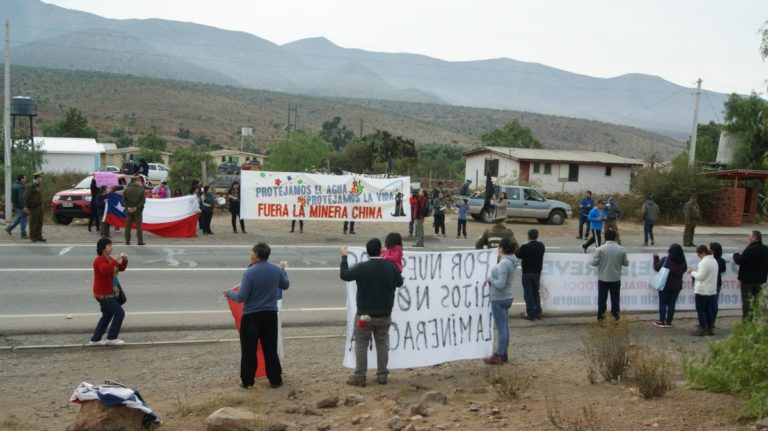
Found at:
(301, 196)
(442, 312)
(569, 283)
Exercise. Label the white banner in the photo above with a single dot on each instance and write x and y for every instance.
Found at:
(442, 313)
(290, 195)
(569, 283)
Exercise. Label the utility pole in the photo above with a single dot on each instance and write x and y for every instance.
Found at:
(7, 119)
(361, 129)
(692, 151)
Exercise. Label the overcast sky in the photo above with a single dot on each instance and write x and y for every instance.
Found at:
(679, 40)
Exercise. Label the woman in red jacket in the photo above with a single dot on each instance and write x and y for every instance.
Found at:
(105, 269)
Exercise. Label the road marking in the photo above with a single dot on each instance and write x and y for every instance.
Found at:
(166, 313)
(130, 247)
(289, 269)
(65, 250)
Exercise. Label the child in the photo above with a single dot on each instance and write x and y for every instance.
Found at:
(393, 250)
(463, 208)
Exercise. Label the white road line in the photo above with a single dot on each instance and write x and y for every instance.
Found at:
(177, 245)
(166, 313)
(289, 269)
(65, 250)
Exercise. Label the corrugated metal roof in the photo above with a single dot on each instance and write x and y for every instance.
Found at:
(68, 145)
(556, 155)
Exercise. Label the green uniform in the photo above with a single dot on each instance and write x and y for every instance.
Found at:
(692, 213)
(493, 235)
(33, 197)
(133, 197)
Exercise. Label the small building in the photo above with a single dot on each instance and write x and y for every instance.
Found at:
(737, 204)
(69, 154)
(237, 156)
(552, 170)
(118, 156)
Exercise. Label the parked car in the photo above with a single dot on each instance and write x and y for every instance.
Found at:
(110, 168)
(129, 168)
(157, 172)
(229, 167)
(73, 203)
(251, 165)
(522, 202)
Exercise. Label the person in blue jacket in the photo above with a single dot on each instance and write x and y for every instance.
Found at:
(596, 218)
(586, 204)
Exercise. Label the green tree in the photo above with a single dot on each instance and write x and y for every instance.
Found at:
(184, 133)
(747, 119)
(73, 125)
(336, 134)
(440, 161)
(371, 153)
(153, 141)
(764, 44)
(513, 134)
(123, 139)
(25, 159)
(707, 140)
(201, 140)
(300, 152)
(186, 163)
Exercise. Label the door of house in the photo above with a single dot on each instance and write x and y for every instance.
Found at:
(525, 170)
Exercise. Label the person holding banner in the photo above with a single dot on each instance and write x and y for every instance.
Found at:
(500, 282)
(609, 258)
(376, 281)
(596, 217)
(675, 262)
(260, 289)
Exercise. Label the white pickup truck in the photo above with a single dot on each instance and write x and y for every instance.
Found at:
(522, 202)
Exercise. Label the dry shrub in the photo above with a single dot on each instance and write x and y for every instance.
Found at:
(607, 345)
(589, 422)
(507, 383)
(650, 372)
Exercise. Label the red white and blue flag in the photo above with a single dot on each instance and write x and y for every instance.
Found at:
(169, 218)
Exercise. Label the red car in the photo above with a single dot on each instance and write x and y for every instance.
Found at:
(75, 203)
(251, 165)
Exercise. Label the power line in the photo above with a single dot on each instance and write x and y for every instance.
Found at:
(709, 101)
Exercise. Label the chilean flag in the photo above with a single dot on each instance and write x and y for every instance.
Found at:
(169, 218)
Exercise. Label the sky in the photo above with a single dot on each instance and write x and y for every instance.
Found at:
(679, 40)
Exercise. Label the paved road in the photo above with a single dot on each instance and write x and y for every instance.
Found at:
(47, 287)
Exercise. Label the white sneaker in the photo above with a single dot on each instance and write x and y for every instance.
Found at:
(115, 342)
(97, 343)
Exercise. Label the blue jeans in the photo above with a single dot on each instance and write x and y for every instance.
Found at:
(667, 301)
(647, 230)
(531, 294)
(110, 311)
(21, 218)
(500, 311)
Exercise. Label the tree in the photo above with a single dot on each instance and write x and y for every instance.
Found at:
(201, 140)
(440, 161)
(184, 133)
(123, 139)
(371, 153)
(336, 134)
(764, 44)
(707, 141)
(513, 134)
(299, 152)
(153, 141)
(747, 119)
(25, 159)
(73, 125)
(186, 162)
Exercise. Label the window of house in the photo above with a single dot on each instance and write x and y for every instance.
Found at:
(608, 170)
(536, 168)
(547, 168)
(573, 172)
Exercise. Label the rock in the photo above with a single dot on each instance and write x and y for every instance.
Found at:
(232, 419)
(94, 416)
(495, 411)
(353, 400)
(410, 427)
(291, 409)
(323, 426)
(416, 418)
(396, 424)
(328, 402)
(281, 425)
(420, 409)
(306, 411)
(434, 397)
(762, 425)
(480, 390)
(474, 407)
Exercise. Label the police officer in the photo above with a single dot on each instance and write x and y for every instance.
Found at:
(494, 234)
(133, 201)
(33, 198)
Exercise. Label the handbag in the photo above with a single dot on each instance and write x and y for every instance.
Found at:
(659, 279)
(118, 290)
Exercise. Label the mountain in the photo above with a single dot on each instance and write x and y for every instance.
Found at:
(54, 37)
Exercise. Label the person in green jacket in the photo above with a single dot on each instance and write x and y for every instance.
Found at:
(692, 213)
(33, 199)
(133, 201)
(650, 214)
(494, 234)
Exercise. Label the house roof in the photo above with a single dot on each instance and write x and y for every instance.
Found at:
(132, 150)
(228, 152)
(538, 155)
(56, 145)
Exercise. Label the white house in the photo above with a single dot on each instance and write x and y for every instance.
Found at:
(69, 154)
(552, 170)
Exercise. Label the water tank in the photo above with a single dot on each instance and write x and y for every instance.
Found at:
(726, 148)
(24, 106)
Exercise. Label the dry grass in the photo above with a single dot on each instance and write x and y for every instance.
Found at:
(244, 399)
(508, 384)
(588, 422)
(607, 345)
(650, 372)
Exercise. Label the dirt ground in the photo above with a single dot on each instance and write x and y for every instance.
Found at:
(184, 383)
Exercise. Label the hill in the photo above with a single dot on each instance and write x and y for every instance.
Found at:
(51, 36)
(136, 104)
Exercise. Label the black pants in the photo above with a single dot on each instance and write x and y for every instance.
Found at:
(301, 225)
(603, 289)
(462, 228)
(595, 237)
(531, 293)
(749, 291)
(235, 216)
(349, 225)
(705, 310)
(205, 220)
(94, 218)
(583, 222)
(439, 223)
(260, 326)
